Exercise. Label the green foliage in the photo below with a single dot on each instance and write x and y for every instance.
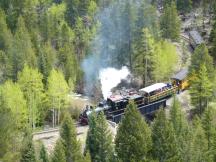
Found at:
(184, 5)
(28, 152)
(5, 34)
(71, 145)
(143, 59)
(23, 53)
(147, 18)
(208, 124)
(165, 146)
(170, 23)
(58, 153)
(57, 93)
(133, 140)
(199, 57)
(199, 144)
(9, 134)
(71, 11)
(177, 117)
(30, 81)
(182, 130)
(164, 60)
(99, 139)
(43, 154)
(201, 89)
(12, 98)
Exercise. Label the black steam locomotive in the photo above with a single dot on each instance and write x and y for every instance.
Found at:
(148, 100)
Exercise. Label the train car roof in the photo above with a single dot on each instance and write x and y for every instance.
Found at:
(196, 37)
(115, 98)
(181, 75)
(134, 96)
(153, 87)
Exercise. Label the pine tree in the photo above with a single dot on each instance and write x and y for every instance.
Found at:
(199, 57)
(201, 89)
(46, 60)
(133, 140)
(182, 130)
(99, 139)
(147, 18)
(6, 41)
(28, 152)
(69, 141)
(71, 11)
(23, 52)
(170, 23)
(58, 153)
(184, 5)
(213, 146)
(145, 51)
(68, 62)
(5, 33)
(43, 154)
(208, 124)
(177, 117)
(165, 147)
(199, 143)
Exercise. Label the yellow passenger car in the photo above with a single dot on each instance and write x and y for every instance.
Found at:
(181, 79)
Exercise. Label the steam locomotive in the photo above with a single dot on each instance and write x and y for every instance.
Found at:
(147, 99)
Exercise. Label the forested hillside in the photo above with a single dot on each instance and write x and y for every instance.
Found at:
(50, 49)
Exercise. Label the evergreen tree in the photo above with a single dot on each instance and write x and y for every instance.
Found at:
(170, 23)
(182, 130)
(57, 94)
(165, 147)
(184, 5)
(28, 152)
(68, 62)
(212, 40)
(23, 52)
(177, 117)
(69, 141)
(147, 18)
(199, 57)
(99, 139)
(72, 7)
(133, 139)
(5, 33)
(145, 51)
(208, 124)
(213, 146)
(82, 37)
(201, 89)
(199, 143)
(46, 60)
(43, 154)
(58, 153)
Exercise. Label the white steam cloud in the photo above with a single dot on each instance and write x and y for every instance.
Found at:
(110, 78)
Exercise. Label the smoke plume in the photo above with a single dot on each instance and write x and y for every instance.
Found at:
(110, 78)
(110, 47)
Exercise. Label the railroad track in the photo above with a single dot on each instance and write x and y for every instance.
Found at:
(183, 36)
(53, 132)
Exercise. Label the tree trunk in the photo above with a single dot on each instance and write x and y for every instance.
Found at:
(53, 121)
